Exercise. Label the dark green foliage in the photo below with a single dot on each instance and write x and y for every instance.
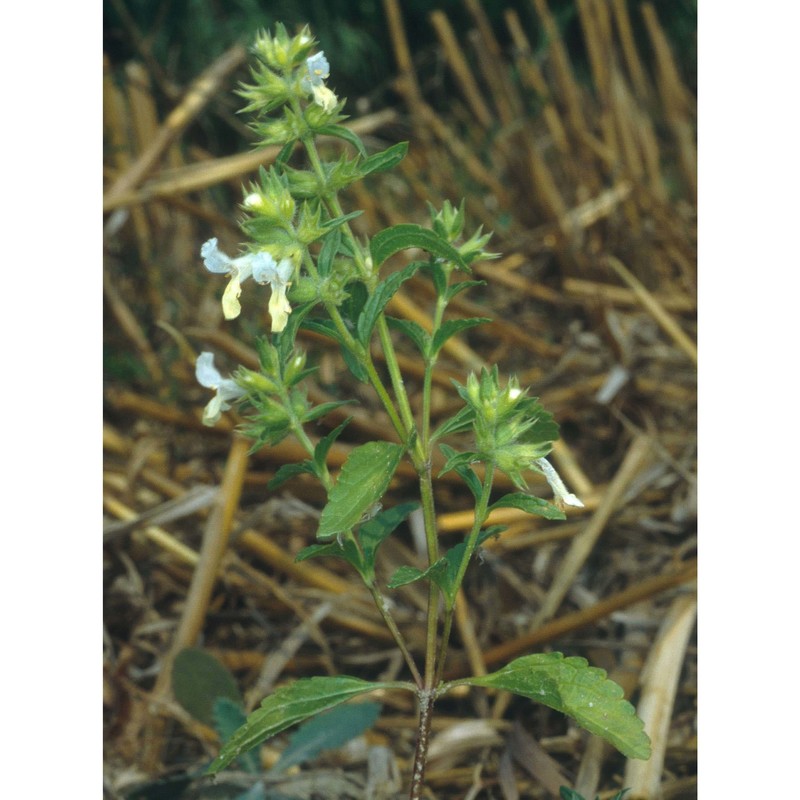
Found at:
(198, 679)
(326, 732)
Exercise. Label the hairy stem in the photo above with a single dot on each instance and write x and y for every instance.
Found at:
(426, 699)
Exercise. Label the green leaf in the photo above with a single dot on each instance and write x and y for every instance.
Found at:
(530, 505)
(414, 331)
(340, 132)
(286, 707)
(444, 571)
(289, 471)
(353, 305)
(386, 159)
(284, 155)
(453, 326)
(325, 408)
(324, 327)
(364, 478)
(337, 222)
(328, 251)
(440, 277)
(582, 692)
(373, 532)
(377, 301)
(324, 445)
(357, 369)
(228, 718)
(460, 286)
(458, 423)
(400, 237)
(347, 551)
(326, 732)
(404, 575)
(286, 338)
(198, 679)
(456, 460)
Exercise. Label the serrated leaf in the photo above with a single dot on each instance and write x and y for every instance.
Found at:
(327, 732)
(386, 159)
(198, 679)
(414, 331)
(362, 482)
(530, 505)
(286, 707)
(377, 301)
(340, 132)
(405, 235)
(582, 692)
(288, 471)
(228, 718)
(451, 327)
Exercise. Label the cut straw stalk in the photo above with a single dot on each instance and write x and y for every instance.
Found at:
(215, 541)
(659, 688)
(649, 302)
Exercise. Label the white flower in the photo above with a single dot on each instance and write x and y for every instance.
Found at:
(319, 71)
(253, 200)
(226, 388)
(263, 268)
(562, 496)
(277, 275)
(324, 98)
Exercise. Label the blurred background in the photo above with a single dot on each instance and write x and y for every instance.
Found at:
(569, 129)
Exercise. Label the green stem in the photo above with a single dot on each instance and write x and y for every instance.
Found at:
(378, 598)
(481, 512)
(405, 414)
(380, 604)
